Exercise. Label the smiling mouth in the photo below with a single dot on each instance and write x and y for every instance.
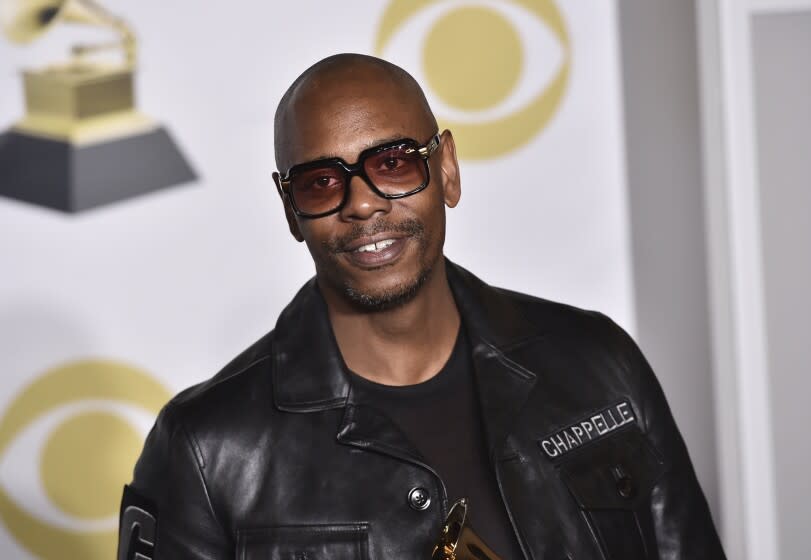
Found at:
(382, 244)
(380, 253)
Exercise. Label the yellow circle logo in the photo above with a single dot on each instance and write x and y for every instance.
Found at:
(68, 444)
(478, 61)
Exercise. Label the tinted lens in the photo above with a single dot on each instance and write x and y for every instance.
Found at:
(396, 170)
(318, 190)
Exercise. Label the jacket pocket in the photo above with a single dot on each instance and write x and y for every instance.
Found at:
(305, 542)
(612, 480)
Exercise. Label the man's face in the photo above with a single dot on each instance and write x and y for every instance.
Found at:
(375, 253)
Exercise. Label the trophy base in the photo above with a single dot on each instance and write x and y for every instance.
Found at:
(68, 177)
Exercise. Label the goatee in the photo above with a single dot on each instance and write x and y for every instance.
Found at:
(395, 296)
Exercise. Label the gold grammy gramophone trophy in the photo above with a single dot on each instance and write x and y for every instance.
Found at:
(82, 143)
(458, 540)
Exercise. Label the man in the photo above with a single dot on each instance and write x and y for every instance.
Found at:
(396, 382)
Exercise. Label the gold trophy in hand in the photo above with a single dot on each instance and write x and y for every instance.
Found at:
(458, 541)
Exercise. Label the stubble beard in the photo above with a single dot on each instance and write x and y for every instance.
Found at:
(389, 298)
(386, 300)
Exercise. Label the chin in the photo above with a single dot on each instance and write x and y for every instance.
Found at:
(378, 298)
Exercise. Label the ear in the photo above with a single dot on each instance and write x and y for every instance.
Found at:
(292, 223)
(449, 166)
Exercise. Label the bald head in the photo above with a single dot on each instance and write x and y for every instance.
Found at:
(347, 84)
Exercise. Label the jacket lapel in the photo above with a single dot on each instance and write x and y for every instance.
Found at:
(310, 374)
(503, 387)
(496, 327)
(367, 428)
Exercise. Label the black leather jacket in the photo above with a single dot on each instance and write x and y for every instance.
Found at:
(272, 459)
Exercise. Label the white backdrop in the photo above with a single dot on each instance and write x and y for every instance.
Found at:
(176, 283)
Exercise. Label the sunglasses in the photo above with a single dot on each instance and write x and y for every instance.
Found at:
(393, 170)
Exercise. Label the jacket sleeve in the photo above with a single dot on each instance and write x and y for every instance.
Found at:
(682, 521)
(169, 489)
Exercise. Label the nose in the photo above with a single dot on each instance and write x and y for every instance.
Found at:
(362, 202)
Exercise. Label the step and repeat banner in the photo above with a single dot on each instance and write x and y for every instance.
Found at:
(142, 243)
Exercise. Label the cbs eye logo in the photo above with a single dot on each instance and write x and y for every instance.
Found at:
(495, 71)
(68, 443)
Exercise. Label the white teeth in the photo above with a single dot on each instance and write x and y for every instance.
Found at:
(373, 247)
(365, 248)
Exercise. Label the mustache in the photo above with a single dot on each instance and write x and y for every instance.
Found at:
(409, 227)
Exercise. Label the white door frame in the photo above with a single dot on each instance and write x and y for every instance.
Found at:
(740, 343)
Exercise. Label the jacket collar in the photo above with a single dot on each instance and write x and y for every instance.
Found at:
(310, 374)
(491, 315)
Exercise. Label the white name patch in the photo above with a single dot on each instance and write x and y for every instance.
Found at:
(588, 429)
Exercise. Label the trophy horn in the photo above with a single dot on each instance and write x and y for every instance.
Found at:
(22, 21)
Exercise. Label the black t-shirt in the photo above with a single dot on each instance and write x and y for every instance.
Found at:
(441, 418)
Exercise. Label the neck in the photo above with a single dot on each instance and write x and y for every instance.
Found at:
(401, 346)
